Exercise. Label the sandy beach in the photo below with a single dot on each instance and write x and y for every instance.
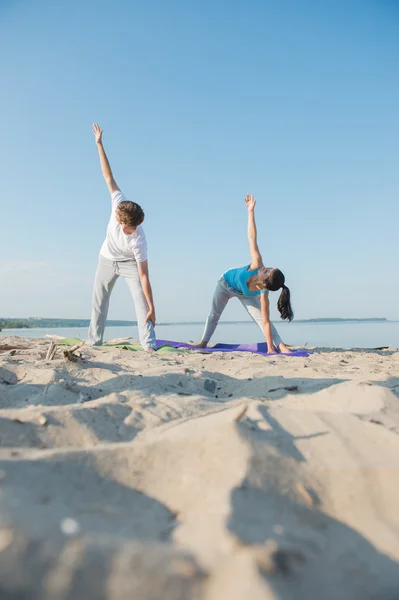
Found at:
(189, 476)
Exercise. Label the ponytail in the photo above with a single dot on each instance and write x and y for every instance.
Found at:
(274, 281)
(284, 304)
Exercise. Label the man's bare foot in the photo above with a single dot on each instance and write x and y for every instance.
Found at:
(200, 345)
(283, 348)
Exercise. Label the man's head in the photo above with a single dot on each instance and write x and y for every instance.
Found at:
(130, 215)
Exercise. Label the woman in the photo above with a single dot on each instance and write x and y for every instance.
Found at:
(251, 284)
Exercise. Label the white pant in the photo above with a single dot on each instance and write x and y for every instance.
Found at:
(108, 272)
(223, 293)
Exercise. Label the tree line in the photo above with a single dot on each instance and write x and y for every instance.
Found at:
(42, 323)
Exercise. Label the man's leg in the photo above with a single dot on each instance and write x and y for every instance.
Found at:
(103, 285)
(252, 306)
(219, 302)
(129, 270)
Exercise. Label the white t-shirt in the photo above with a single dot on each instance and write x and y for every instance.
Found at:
(119, 246)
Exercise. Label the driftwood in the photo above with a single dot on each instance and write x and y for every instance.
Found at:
(69, 356)
(390, 348)
(51, 351)
(5, 347)
(119, 340)
(70, 353)
(75, 347)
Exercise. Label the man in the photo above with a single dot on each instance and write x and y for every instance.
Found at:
(123, 253)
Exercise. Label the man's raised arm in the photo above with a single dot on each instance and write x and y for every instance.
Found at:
(105, 166)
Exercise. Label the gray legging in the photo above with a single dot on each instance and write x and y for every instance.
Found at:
(108, 272)
(223, 293)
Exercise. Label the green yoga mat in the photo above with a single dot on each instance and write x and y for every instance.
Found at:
(166, 349)
(138, 348)
(69, 341)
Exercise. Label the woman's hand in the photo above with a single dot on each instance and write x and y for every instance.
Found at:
(250, 202)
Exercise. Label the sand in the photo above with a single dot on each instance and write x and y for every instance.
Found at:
(191, 476)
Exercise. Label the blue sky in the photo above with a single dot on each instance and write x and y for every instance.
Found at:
(201, 102)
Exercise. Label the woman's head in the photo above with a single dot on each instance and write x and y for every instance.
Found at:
(273, 279)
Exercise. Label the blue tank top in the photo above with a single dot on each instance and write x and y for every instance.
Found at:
(237, 279)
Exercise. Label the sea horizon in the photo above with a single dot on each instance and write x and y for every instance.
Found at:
(334, 334)
(45, 322)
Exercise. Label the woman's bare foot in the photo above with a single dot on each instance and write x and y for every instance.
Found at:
(200, 345)
(283, 348)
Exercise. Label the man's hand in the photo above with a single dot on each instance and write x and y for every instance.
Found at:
(151, 316)
(98, 133)
(250, 202)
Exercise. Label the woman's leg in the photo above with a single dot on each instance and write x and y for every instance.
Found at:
(252, 306)
(220, 299)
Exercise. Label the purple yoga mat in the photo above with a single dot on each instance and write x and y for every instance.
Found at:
(254, 348)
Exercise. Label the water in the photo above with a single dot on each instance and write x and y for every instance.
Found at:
(338, 335)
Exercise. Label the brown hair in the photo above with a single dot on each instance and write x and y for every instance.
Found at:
(130, 213)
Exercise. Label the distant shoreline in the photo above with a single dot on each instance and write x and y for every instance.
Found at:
(36, 323)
